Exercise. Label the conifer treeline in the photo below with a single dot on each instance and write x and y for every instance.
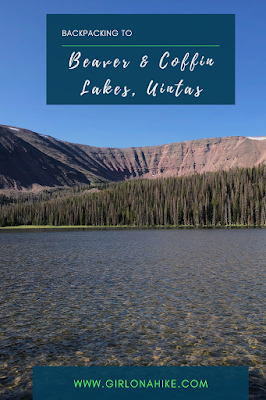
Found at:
(236, 197)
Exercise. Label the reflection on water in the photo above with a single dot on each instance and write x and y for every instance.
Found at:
(131, 297)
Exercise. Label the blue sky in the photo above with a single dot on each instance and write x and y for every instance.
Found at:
(23, 78)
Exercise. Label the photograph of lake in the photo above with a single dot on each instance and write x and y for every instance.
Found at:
(132, 199)
(127, 297)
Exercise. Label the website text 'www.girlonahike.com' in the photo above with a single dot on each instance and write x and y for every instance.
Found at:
(137, 383)
(141, 383)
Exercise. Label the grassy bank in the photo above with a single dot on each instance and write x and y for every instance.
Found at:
(124, 226)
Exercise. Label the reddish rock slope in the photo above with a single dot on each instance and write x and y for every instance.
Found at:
(29, 160)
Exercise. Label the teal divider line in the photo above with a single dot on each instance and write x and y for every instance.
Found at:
(140, 45)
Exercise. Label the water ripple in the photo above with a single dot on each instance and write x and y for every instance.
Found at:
(131, 297)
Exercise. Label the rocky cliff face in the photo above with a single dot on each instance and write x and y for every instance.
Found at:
(29, 160)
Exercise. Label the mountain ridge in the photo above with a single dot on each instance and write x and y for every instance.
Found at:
(30, 161)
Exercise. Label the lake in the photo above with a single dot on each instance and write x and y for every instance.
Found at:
(131, 297)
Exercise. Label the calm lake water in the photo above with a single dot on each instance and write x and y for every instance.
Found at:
(131, 297)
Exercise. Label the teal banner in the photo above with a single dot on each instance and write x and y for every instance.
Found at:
(141, 59)
(142, 383)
